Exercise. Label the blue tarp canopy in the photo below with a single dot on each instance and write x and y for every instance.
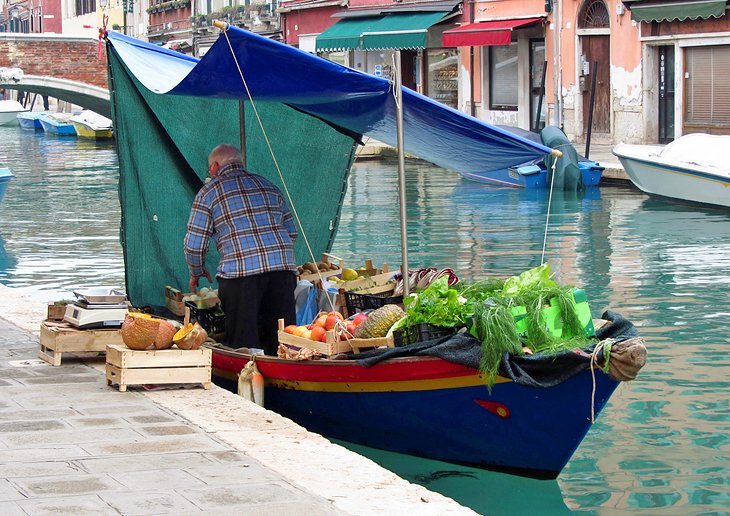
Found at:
(241, 62)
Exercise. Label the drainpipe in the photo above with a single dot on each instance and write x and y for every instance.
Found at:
(557, 74)
(473, 109)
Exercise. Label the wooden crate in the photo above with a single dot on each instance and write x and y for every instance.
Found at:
(332, 345)
(174, 300)
(55, 312)
(126, 366)
(58, 338)
(326, 258)
(378, 342)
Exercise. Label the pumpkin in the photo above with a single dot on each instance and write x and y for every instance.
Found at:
(139, 331)
(190, 336)
(379, 322)
(165, 334)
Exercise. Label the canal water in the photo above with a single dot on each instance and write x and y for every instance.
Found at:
(661, 446)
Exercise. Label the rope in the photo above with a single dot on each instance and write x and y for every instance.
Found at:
(273, 157)
(547, 217)
(603, 347)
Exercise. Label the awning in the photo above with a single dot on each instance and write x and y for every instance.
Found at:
(385, 31)
(345, 34)
(677, 10)
(496, 32)
(401, 31)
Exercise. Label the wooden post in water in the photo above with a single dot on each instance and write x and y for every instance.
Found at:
(590, 108)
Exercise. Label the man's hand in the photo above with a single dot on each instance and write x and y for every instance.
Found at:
(194, 281)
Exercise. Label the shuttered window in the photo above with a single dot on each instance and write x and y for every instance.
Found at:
(503, 77)
(708, 87)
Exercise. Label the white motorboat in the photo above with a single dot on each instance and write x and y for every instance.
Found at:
(693, 168)
(9, 110)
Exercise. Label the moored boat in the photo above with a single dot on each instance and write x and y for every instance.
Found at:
(5, 176)
(573, 171)
(57, 123)
(693, 168)
(29, 120)
(89, 124)
(319, 110)
(9, 110)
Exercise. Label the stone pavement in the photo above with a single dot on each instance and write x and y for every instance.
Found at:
(70, 444)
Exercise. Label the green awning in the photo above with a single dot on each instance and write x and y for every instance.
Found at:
(397, 31)
(345, 34)
(677, 10)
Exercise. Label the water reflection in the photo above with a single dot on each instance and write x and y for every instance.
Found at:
(485, 492)
(661, 444)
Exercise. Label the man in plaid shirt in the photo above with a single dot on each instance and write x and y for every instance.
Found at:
(254, 232)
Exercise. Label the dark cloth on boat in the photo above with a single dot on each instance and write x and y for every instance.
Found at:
(538, 370)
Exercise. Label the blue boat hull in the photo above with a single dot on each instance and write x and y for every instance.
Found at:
(29, 122)
(60, 129)
(5, 177)
(433, 409)
(535, 176)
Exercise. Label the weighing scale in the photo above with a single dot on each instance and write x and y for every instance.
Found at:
(97, 308)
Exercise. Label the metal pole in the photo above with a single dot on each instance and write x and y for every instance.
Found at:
(401, 172)
(590, 108)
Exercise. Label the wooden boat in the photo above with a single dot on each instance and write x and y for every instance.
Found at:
(419, 405)
(9, 110)
(57, 123)
(29, 120)
(693, 168)
(5, 177)
(89, 124)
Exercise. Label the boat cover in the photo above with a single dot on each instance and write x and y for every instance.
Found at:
(359, 103)
(538, 370)
(169, 110)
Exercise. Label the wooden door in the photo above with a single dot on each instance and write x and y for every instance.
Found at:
(597, 49)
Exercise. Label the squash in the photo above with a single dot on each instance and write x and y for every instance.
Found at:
(139, 330)
(190, 336)
(165, 334)
(379, 322)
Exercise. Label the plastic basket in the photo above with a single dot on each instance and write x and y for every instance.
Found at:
(420, 333)
(360, 302)
(210, 319)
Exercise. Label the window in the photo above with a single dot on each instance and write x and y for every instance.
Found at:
(708, 90)
(443, 75)
(503, 77)
(85, 7)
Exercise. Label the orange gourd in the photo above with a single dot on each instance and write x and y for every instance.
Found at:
(190, 336)
(139, 331)
(165, 334)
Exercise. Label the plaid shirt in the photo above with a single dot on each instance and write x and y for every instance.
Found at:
(248, 219)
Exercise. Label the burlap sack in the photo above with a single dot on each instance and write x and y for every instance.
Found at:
(627, 359)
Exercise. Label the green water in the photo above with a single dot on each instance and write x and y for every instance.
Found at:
(662, 445)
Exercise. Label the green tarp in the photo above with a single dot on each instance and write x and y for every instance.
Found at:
(163, 143)
(677, 11)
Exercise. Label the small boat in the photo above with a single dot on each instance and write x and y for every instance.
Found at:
(536, 174)
(29, 120)
(693, 168)
(5, 177)
(89, 124)
(9, 110)
(58, 124)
